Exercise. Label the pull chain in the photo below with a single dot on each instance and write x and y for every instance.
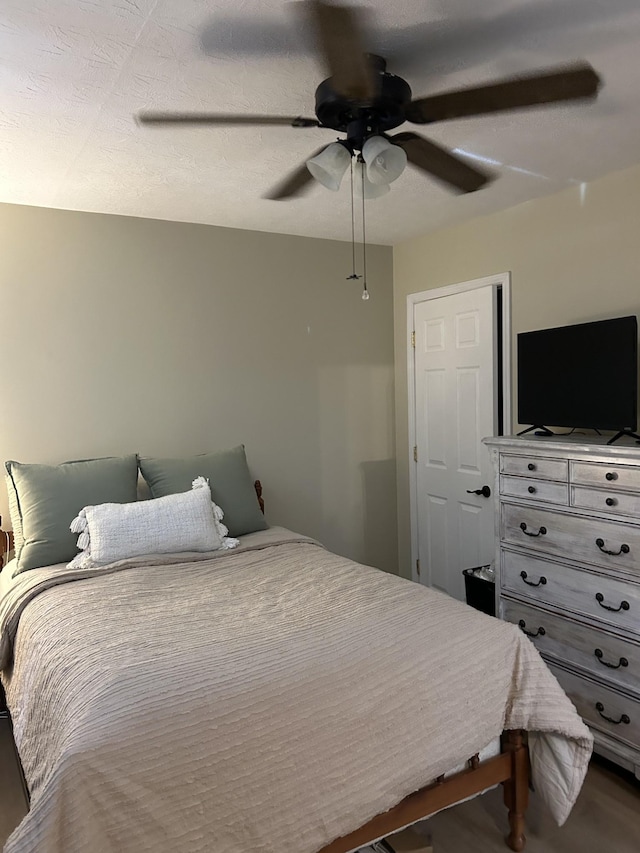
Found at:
(353, 232)
(365, 292)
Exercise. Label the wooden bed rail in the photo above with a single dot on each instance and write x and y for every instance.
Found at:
(510, 768)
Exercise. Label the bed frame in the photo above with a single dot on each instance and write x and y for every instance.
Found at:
(510, 769)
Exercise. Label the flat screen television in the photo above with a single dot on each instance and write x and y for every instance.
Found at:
(585, 375)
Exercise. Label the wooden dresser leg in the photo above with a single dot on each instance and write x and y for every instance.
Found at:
(516, 789)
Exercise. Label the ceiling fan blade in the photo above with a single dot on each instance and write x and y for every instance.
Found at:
(440, 163)
(150, 117)
(295, 183)
(578, 81)
(339, 33)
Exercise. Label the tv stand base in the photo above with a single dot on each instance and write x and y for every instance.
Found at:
(622, 433)
(540, 430)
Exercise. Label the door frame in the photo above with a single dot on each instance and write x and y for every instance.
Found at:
(501, 282)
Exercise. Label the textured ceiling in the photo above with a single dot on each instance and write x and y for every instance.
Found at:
(74, 72)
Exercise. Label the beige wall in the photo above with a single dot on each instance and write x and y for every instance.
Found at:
(574, 257)
(123, 335)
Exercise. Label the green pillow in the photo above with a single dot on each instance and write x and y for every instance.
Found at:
(50, 496)
(229, 478)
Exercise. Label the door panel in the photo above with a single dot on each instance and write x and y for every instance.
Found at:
(468, 405)
(437, 541)
(434, 401)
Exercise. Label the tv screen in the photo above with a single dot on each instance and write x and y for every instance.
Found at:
(584, 375)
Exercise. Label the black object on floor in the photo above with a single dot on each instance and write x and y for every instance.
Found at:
(480, 592)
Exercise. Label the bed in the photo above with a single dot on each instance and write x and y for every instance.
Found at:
(274, 697)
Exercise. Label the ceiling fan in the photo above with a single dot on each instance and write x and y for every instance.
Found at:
(363, 100)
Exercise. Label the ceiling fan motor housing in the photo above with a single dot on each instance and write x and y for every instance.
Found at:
(384, 112)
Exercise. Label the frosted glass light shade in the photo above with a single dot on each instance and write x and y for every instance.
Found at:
(363, 186)
(328, 167)
(385, 162)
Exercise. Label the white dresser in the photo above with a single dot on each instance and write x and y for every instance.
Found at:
(568, 572)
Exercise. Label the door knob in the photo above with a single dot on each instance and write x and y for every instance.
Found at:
(485, 491)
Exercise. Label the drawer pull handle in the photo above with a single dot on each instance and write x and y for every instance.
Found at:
(541, 582)
(624, 549)
(541, 531)
(532, 490)
(622, 662)
(611, 475)
(624, 605)
(531, 466)
(611, 502)
(623, 719)
(540, 632)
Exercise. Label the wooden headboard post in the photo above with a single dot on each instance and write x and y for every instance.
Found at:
(6, 544)
(258, 487)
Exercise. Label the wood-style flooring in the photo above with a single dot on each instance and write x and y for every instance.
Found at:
(606, 818)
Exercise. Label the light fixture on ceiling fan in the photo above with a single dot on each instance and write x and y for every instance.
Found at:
(384, 164)
(328, 167)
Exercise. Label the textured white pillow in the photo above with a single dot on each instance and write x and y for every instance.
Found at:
(188, 521)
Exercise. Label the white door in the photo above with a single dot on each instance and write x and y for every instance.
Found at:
(456, 405)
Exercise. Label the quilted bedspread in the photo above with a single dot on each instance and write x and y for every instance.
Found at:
(268, 699)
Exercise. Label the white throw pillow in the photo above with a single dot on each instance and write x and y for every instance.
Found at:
(188, 521)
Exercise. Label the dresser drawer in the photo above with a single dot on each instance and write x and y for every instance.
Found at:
(602, 707)
(621, 503)
(534, 466)
(607, 658)
(536, 490)
(572, 589)
(611, 544)
(624, 477)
